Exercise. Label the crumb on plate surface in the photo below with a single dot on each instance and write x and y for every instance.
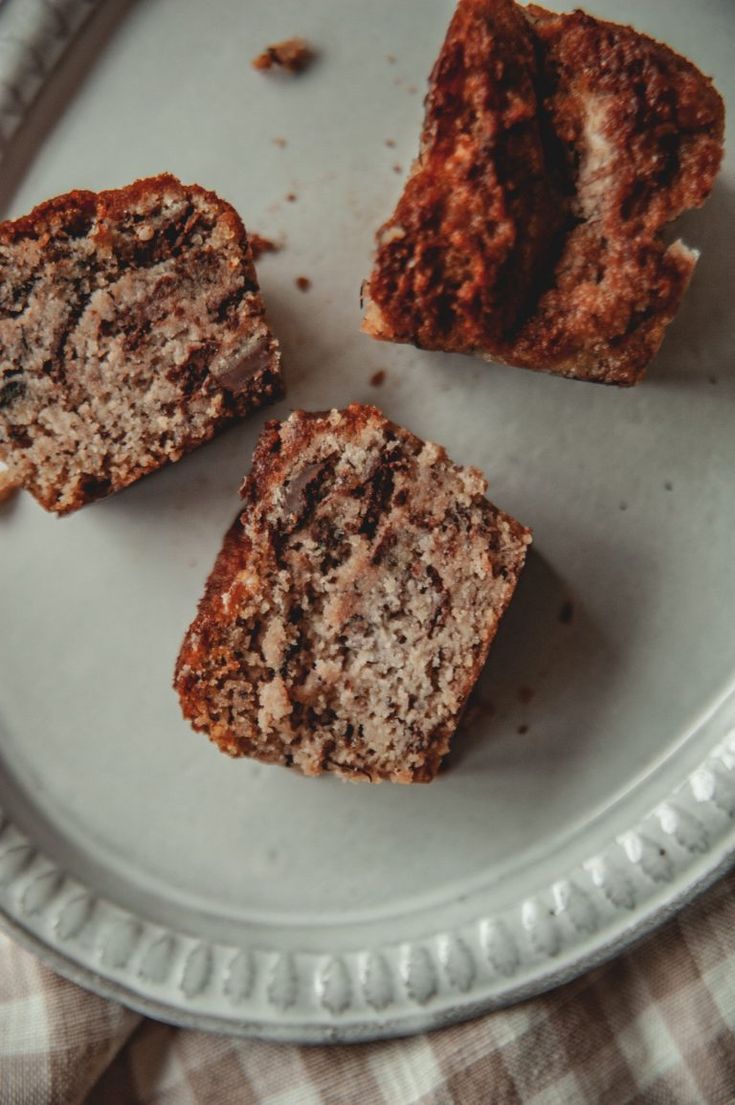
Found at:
(292, 54)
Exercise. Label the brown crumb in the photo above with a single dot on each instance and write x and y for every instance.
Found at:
(302, 283)
(668, 485)
(566, 613)
(397, 168)
(378, 378)
(291, 197)
(412, 89)
(260, 245)
(293, 55)
(9, 484)
(390, 143)
(525, 694)
(280, 142)
(391, 59)
(712, 379)
(623, 505)
(522, 729)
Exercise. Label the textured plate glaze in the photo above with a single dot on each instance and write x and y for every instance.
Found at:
(593, 792)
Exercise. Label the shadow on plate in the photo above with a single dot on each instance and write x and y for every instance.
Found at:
(9, 506)
(698, 346)
(317, 347)
(551, 660)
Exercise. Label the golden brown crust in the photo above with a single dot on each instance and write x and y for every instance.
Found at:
(204, 631)
(73, 209)
(555, 149)
(9, 485)
(351, 519)
(651, 128)
(459, 259)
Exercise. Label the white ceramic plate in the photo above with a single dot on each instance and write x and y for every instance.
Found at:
(599, 791)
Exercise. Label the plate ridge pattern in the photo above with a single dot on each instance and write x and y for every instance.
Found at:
(479, 959)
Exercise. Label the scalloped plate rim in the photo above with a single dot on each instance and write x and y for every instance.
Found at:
(362, 1032)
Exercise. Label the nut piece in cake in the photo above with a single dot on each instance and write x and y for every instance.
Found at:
(555, 150)
(131, 331)
(352, 605)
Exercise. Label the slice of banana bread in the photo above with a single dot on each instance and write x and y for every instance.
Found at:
(131, 331)
(555, 150)
(352, 606)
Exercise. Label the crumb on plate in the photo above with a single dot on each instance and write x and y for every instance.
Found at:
(259, 245)
(293, 55)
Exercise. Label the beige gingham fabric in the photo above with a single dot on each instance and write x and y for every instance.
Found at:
(655, 1027)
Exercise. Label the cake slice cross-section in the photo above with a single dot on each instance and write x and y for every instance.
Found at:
(555, 151)
(131, 331)
(353, 603)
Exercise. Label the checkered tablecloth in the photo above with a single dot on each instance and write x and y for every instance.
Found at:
(656, 1026)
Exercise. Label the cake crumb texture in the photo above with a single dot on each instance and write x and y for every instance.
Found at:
(131, 331)
(352, 605)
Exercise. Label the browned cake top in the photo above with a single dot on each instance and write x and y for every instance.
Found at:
(641, 131)
(349, 613)
(131, 328)
(554, 150)
(460, 258)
